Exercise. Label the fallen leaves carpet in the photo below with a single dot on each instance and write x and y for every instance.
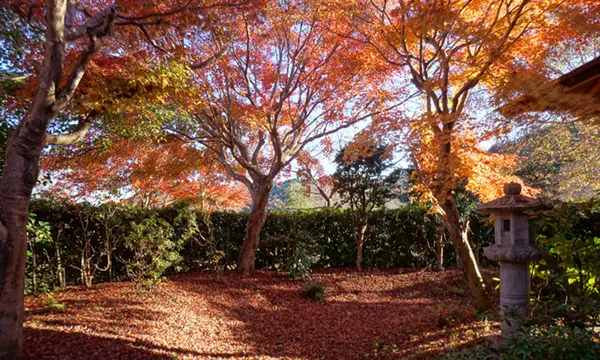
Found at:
(398, 314)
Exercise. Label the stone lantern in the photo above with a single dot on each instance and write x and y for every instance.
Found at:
(514, 248)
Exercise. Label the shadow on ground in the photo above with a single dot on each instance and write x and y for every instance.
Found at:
(412, 315)
(49, 344)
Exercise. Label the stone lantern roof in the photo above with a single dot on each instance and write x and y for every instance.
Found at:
(511, 201)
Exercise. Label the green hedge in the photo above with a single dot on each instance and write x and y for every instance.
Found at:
(401, 237)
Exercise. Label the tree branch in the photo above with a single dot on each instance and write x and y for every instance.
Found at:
(98, 25)
(210, 60)
(82, 128)
(66, 93)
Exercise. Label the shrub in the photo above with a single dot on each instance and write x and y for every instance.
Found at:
(294, 255)
(566, 282)
(153, 250)
(539, 343)
(554, 342)
(314, 291)
(291, 242)
(302, 260)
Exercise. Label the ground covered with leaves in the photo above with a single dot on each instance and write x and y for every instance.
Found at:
(399, 314)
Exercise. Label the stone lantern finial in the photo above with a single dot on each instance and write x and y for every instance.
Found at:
(512, 188)
(514, 247)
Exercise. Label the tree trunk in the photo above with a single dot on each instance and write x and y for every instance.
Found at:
(256, 221)
(458, 262)
(18, 179)
(458, 236)
(360, 240)
(22, 160)
(34, 267)
(109, 266)
(439, 248)
(16, 185)
(86, 277)
(86, 265)
(62, 281)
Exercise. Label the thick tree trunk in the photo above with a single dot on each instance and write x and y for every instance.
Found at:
(17, 182)
(458, 236)
(22, 159)
(359, 252)
(256, 221)
(16, 185)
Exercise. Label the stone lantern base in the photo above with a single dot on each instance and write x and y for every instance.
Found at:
(515, 282)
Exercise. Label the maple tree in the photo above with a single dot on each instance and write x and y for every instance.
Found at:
(284, 82)
(447, 50)
(312, 176)
(58, 44)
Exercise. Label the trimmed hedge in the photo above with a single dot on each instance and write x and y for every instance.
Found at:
(401, 237)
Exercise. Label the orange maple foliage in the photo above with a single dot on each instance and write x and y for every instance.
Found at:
(448, 49)
(144, 36)
(480, 171)
(145, 173)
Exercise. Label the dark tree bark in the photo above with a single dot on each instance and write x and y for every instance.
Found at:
(256, 221)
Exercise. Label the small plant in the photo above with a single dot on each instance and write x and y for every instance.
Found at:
(154, 251)
(301, 261)
(314, 291)
(476, 353)
(51, 304)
